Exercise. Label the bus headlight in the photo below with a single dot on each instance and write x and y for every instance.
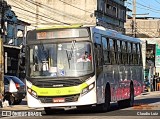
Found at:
(88, 89)
(32, 92)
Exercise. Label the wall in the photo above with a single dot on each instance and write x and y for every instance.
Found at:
(47, 13)
(146, 28)
(1, 69)
(55, 12)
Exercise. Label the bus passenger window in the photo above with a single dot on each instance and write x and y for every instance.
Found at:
(116, 51)
(130, 53)
(98, 52)
(105, 50)
(140, 54)
(112, 54)
(134, 54)
(124, 53)
(119, 52)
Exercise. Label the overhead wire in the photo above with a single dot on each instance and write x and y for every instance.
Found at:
(24, 16)
(41, 15)
(157, 1)
(54, 10)
(74, 6)
(147, 8)
(32, 9)
(21, 5)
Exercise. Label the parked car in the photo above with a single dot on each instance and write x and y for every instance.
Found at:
(14, 90)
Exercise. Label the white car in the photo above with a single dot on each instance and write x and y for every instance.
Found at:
(14, 90)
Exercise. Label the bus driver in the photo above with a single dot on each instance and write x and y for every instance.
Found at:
(85, 58)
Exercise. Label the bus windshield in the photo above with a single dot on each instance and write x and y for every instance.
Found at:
(60, 60)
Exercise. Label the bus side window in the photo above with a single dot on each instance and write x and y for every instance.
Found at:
(129, 53)
(140, 54)
(119, 52)
(98, 52)
(116, 51)
(105, 50)
(98, 49)
(134, 54)
(124, 53)
(112, 54)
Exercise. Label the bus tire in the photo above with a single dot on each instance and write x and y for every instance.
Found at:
(106, 106)
(130, 101)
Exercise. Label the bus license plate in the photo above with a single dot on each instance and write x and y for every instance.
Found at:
(56, 100)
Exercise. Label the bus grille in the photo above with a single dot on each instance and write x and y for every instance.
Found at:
(58, 83)
(71, 98)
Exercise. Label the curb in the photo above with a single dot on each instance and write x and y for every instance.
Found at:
(151, 93)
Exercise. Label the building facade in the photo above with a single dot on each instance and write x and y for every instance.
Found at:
(146, 27)
(111, 14)
(12, 32)
(45, 13)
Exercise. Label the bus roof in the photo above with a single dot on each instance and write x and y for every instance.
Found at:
(59, 27)
(114, 34)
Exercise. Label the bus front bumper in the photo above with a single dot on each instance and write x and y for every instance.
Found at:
(86, 99)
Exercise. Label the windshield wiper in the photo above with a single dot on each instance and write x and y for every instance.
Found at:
(69, 55)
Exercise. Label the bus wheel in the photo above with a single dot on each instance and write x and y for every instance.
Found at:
(130, 101)
(106, 106)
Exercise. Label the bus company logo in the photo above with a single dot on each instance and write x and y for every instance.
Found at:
(58, 91)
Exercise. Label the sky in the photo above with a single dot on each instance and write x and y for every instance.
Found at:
(143, 7)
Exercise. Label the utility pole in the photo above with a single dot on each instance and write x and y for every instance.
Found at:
(134, 18)
(37, 10)
(1, 54)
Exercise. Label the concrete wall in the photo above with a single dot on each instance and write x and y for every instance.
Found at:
(146, 28)
(46, 13)
(1, 69)
(52, 11)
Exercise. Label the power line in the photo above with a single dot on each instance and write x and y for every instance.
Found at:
(50, 8)
(157, 2)
(29, 7)
(41, 15)
(149, 10)
(74, 6)
(20, 4)
(147, 7)
(30, 17)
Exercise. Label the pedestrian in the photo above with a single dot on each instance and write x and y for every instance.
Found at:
(146, 83)
(151, 83)
(154, 79)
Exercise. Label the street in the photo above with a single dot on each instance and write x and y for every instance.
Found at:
(147, 105)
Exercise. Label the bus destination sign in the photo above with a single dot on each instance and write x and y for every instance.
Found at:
(57, 34)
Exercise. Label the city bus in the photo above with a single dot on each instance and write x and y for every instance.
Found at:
(82, 66)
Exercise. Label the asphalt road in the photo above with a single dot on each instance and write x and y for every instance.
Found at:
(146, 107)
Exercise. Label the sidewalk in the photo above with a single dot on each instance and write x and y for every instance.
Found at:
(151, 93)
